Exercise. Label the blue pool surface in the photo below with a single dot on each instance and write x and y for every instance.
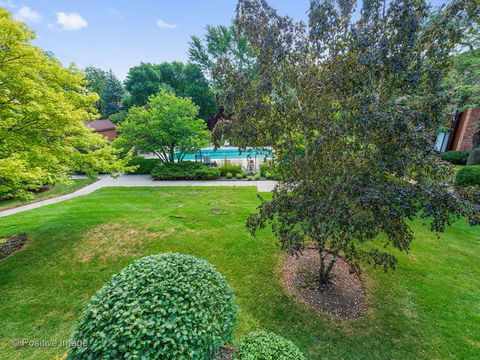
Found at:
(222, 154)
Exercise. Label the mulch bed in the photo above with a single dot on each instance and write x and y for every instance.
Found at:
(10, 245)
(343, 297)
(225, 353)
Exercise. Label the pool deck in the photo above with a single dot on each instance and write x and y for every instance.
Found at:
(106, 181)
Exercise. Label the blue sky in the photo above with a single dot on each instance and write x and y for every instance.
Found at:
(118, 34)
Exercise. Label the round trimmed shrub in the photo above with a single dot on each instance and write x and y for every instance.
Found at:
(261, 345)
(468, 176)
(229, 175)
(168, 306)
(456, 157)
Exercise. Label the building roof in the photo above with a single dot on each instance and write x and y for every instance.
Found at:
(100, 125)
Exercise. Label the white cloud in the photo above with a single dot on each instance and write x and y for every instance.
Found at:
(70, 21)
(164, 25)
(26, 14)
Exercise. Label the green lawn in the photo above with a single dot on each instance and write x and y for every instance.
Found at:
(57, 190)
(428, 309)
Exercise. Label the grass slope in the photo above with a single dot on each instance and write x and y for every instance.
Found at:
(57, 190)
(428, 309)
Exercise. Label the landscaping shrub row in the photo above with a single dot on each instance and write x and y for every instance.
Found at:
(456, 157)
(230, 168)
(186, 170)
(169, 306)
(145, 166)
(468, 176)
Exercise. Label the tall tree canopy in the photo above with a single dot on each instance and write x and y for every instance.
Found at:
(109, 89)
(185, 80)
(351, 105)
(43, 107)
(168, 127)
(111, 95)
(222, 43)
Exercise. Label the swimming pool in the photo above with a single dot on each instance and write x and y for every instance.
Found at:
(227, 154)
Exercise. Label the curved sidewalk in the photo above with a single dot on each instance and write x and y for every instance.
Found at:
(138, 181)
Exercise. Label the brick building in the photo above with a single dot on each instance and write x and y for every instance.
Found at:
(461, 136)
(103, 127)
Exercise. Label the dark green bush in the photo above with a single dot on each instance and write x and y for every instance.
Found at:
(145, 166)
(468, 176)
(168, 306)
(269, 170)
(186, 170)
(262, 345)
(456, 157)
(230, 168)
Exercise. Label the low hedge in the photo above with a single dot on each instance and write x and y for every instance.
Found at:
(468, 176)
(230, 168)
(186, 170)
(261, 345)
(456, 157)
(145, 166)
(168, 306)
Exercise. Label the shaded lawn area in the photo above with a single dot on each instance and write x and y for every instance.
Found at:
(428, 309)
(57, 190)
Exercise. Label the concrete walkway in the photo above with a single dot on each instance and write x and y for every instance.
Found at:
(136, 181)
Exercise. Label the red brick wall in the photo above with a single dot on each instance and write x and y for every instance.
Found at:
(465, 129)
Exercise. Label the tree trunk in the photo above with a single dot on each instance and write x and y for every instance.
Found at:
(325, 269)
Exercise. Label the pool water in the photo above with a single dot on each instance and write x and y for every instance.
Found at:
(222, 154)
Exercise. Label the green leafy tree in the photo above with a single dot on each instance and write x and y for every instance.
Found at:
(167, 127)
(43, 107)
(185, 80)
(222, 43)
(351, 106)
(142, 82)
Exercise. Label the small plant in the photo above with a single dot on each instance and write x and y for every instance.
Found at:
(168, 306)
(250, 177)
(468, 176)
(456, 157)
(268, 175)
(239, 176)
(256, 177)
(229, 175)
(262, 345)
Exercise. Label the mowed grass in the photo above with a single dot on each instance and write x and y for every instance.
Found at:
(57, 190)
(428, 309)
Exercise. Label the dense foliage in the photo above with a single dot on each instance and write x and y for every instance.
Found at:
(351, 104)
(185, 170)
(43, 107)
(261, 345)
(468, 176)
(143, 166)
(168, 127)
(168, 306)
(233, 169)
(185, 80)
(456, 157)
(109, 89)
(221, 43)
